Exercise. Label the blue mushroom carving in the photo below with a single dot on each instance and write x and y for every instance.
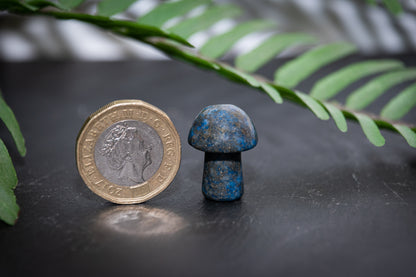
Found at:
(222, 132)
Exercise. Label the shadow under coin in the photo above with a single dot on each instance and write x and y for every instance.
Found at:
(142, 221)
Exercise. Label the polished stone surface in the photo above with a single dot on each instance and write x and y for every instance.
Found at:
(222, 131)
(223, 176)
(317, 202)
(222, 128)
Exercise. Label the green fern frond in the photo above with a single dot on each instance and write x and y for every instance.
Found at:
(70, 4)
(370, 129)
(210, 16)
(169, 10)
(296, 70)
(8, 118)
(267, 50)
(364, 96)
(337, 115)
(220, 44)
(407, 133)
(8, 207)
(112, 7)
(393, 6)
(401, 104)
(149, 29)
(332, 84)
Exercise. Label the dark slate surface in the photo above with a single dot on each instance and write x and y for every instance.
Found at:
(317, 202)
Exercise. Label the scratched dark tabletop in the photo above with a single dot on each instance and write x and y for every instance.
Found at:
(317, 202)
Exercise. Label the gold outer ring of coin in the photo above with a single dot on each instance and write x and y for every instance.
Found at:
(115, 112)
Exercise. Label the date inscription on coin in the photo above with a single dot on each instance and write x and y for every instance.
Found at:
(128, 151)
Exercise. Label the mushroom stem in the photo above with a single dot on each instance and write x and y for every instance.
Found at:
(223, 176)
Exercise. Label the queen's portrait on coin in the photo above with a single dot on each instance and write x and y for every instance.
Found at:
(127, 153)
(121, 148)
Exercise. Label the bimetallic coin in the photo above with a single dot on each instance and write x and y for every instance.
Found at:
(128, 151)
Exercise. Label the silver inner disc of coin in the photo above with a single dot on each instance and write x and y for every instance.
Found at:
(128, 153)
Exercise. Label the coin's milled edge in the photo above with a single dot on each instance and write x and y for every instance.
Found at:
(164, 175)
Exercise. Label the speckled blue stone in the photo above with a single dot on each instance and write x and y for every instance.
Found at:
(223, 177)
(222, 129)
(222, 132)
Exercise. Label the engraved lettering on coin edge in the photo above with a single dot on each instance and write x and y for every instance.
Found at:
(112, 113)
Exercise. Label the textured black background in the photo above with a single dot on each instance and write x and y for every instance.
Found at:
(318, 202)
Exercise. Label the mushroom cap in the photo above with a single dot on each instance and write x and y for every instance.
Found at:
(222, 129)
